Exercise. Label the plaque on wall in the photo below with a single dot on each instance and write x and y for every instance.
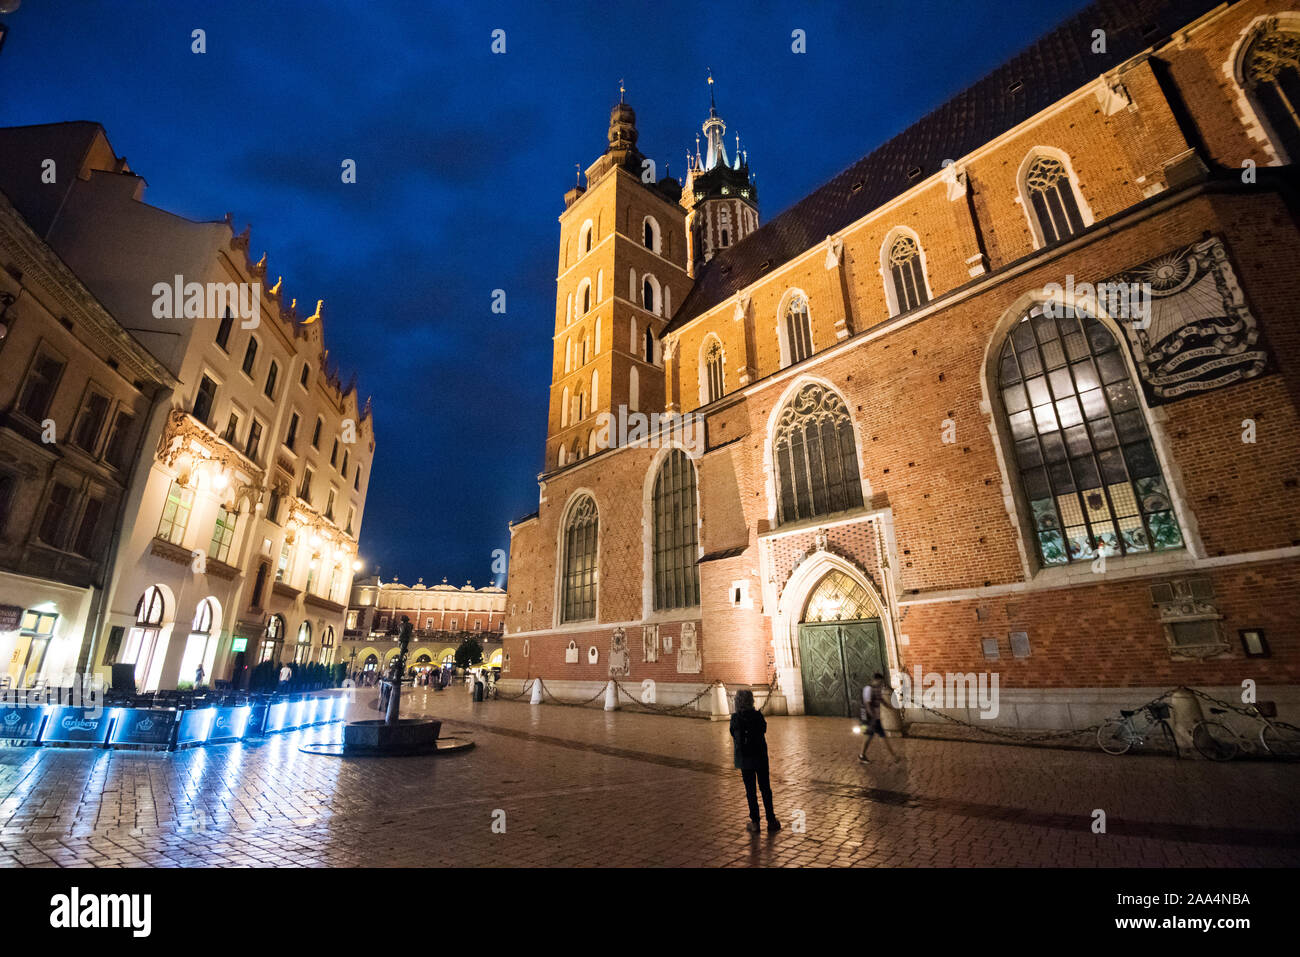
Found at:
(1200, 334)
(620, 661)
(689, 661)
(650, 643)
(571, 653)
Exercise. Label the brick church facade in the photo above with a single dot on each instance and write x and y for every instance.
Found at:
(1018, 392)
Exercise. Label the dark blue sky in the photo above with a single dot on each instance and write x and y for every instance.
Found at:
(463, 158)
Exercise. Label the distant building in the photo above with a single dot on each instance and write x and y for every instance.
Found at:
(239, 528)
(441, 618)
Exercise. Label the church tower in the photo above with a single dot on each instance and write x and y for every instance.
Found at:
(719, 192)
(622, 271)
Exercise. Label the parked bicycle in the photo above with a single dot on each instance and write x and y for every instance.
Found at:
(1219, 742)
(1119, 735)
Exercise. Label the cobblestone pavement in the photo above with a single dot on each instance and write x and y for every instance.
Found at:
(581, 787)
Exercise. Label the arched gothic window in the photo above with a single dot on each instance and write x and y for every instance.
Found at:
(907, 274)
(1086, 463)
(578, 601)
(649, 345)
(677, 574)
(649, 234)
(586, 299)
(712, 371)
(149, 609)
(798, 328)
(1270, 70)
(648, 295)
(815, 456)
(1051, 195)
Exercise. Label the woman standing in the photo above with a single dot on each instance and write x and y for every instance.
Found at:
(749, 733)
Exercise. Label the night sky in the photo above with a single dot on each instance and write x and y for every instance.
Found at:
(463, 158)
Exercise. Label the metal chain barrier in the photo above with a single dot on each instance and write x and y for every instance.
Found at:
(1028, 738)
(515, 697)
(1245, 712)
(572, 704)
(662, 709)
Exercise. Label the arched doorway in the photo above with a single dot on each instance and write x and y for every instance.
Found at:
(371, 662)
(841, 644)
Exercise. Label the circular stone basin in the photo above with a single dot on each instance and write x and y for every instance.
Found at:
(376, 736)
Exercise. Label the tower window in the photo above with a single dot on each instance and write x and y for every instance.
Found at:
(712, 370)
(677, 575)
(579, 565)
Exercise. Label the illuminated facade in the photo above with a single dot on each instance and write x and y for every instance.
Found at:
(920, 419)
(240, 525)
(442, 616)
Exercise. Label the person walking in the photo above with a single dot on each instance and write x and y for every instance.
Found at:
(749, 734)
(873, 697)
(198, 677)
(286, 675)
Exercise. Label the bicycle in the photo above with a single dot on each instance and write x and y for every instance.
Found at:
(1218, 742)
(1118, 735)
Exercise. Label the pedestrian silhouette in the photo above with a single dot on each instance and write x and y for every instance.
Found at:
(749, 733)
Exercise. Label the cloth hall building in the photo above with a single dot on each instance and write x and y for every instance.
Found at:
(1016, 393)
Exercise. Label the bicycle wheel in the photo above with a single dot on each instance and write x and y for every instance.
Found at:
(1115, 736)
(1215, 741)
(1281, 741)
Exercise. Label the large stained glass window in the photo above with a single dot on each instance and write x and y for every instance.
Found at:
(579, 584)
(677, 576)
(1085, 457)
(815, 456)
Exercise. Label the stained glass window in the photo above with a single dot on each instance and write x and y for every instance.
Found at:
(713, 370)
(1082, 449)
(677, 576)
(1271, 71)
(838, 597)
(579, 585)
(815, 456)
(905, 267)
(1052, 198)
(798, 328)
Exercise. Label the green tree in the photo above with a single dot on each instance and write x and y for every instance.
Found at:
(469, 653)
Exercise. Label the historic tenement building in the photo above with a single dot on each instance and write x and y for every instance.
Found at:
(237, 536)
(1018, 392)
(442, 616)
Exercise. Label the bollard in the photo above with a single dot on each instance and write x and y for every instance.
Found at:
(611, 696)
(1184, 712)
(537, 691)
(719, 706)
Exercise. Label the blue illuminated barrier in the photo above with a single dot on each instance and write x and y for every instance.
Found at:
(163, 728)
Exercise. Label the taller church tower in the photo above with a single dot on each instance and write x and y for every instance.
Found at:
(622, 272)
(719, 192)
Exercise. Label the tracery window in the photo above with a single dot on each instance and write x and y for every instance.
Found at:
(1086, 463)
(677, 576)
(712, 370)
(798, 328)
(838, 597)
(1271, 73)
(908, 276)
(1052, 197)
(579, 567)
(815, 456)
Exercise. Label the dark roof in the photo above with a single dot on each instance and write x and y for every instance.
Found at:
(1051, 68)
